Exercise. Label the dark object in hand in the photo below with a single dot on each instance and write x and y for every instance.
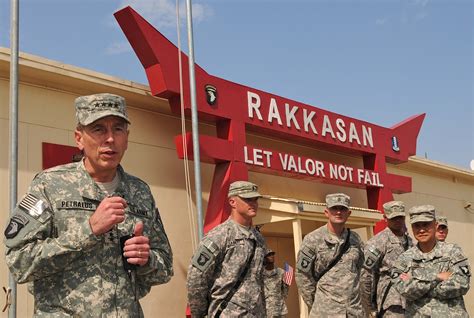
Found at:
(126, 265)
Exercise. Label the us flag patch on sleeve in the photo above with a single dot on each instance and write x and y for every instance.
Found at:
(32, 205)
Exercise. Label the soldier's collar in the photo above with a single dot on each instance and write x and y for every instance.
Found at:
(88, 188)
(271, 272)
(434, 253)
(333, 238)
(241, 232)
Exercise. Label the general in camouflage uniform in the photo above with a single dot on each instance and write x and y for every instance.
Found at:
(64, 236)
(333, 292)
(276, 290)
(381, 252)
(433, 276)
(225, 277)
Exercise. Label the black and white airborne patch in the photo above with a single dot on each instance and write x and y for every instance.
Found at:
(369, 262)
(305, 259)
(205, 255)
(211, 94)
(465, 270)
(372, 257)
(32, 205)
(304, 264)
(17, 222)
(203, 258)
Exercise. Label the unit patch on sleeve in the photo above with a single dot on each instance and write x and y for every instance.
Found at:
(372, 256)
(17, 222)
(465, 270)
(305, 259)
(205, 255)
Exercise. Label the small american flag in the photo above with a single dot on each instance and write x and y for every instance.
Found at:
(288, 276)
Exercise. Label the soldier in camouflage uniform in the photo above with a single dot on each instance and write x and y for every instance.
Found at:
(442, 228)
(381, 252)
(64, 236)
(331, 291)
(225, 277)
(276, 290)
(433, 276)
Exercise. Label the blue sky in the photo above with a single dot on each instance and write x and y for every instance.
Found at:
(379, 61)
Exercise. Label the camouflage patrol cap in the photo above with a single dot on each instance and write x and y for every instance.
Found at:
(393, 209)
(338, 199)
(269, 252)
(243, 189)
(442, 220)
(422, 213)
(93, 107)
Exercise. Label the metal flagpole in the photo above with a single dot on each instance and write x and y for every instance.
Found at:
(13, 160)
(194, 120)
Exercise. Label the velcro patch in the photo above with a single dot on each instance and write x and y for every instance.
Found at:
(76, 204)
(305, 259)
(17, 222)
(371, 257)
(32, 205)
(205, 255)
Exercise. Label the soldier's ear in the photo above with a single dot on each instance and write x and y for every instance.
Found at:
(232, 202)
(78, 139)
(326, 213)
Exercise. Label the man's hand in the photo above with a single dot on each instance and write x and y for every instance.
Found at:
(444, 276)
(137, 248)
(110, 211)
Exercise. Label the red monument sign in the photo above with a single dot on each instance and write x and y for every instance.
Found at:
(237, 109)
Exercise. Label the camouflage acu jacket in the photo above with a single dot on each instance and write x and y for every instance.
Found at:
(336, 294)
(216, 267)
(426, 296)
(276, 292)
(73, 272)
(381, 252)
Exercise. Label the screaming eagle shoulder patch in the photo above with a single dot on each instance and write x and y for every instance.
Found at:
(306, 258)
(371, 257)
(17, 222)
(205, 255)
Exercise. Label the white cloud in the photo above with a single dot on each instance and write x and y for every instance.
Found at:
(118, 48)
(381, 21)
(162, 13)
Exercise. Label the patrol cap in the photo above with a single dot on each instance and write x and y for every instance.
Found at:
(243, 189)
(422, 213)
(338, 199)
(393, 209)
(93, 107)
(269, 252)
(442, 220)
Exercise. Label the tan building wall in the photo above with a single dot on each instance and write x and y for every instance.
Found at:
(46, 114)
